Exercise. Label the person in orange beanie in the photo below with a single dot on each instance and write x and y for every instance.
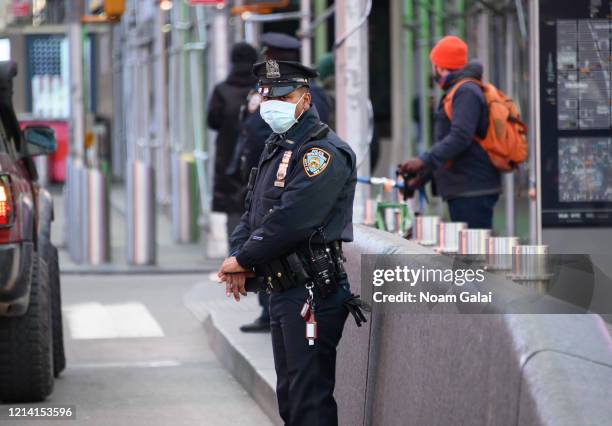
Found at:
(463, 173)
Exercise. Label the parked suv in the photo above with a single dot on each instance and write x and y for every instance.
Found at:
(31, 341)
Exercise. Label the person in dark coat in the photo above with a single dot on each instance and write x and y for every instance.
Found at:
(224, 117)
(463, 173)
(254, 132)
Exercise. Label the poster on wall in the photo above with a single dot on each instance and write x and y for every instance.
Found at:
(576, 112)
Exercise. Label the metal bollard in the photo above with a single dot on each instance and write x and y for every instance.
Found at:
(499, 253)
(184, 199)
(472, 244)
(426, 230)
(98, 218)
(530, 267)
(74, 210)
(448, 235)
(42, 169)
(85, 213)
(141, 214)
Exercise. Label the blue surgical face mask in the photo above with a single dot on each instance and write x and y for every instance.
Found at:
(279, 115)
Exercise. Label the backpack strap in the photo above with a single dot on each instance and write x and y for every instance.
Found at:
(448, 99)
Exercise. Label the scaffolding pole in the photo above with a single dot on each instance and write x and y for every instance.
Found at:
(461, 18)
(409, 76)
(320, 35)
(509, 177)
(535, 217)
(424, 44)
(352, 81)
(306, 51)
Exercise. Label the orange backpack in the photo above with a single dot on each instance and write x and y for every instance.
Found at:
(505, 141)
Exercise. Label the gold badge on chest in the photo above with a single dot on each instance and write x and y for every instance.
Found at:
(281, 173)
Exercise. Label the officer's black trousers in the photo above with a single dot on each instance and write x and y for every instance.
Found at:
(306, 375)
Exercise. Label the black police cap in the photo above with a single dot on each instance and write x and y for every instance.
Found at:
(279, 78)
(280, 41)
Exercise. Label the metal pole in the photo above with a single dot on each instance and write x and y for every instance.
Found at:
(484, 47)
(409, 77)
(97, 216)
(509, 177)
(461, 19)
(320, 35)
(140, 194)
(77, 106)
(400, 119)
(535, 216)
(438, 20)
(161, 112)
(220, 44)
(438, 34)
(425, 93)
(352, 81)
(251, 32)
(141, 214)
(74, 183)
(306, 52)
(182, 120)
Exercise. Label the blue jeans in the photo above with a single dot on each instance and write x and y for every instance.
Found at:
(477, 212)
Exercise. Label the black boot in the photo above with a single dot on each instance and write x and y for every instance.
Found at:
(260, 325)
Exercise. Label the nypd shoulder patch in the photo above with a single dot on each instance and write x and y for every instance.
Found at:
(315, 161)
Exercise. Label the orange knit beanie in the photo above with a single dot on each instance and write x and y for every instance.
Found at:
(450, 52)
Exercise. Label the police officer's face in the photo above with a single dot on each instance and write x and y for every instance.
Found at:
(300, 96)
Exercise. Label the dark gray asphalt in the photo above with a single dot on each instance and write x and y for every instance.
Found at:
(172, 379)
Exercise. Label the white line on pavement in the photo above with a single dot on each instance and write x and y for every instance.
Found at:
(94, 320)
(138, 364)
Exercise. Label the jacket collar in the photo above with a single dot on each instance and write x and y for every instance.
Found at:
(296, 135)
(471, 70)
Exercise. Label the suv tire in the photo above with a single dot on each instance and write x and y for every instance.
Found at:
(59, 356)
(26, 356)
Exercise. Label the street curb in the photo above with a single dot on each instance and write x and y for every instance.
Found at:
(133, 270)
(237, 363)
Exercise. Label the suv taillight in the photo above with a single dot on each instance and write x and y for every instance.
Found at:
(6, 202)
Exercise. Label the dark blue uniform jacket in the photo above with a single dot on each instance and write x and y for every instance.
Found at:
(279, 219)
(469, 172)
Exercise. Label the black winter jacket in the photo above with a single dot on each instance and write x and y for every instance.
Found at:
(224, 117)
(460, 166)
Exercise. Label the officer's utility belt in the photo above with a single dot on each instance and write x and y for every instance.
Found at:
(320, 264)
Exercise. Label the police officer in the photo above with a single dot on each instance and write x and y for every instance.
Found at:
(254, 132)
(299, 211)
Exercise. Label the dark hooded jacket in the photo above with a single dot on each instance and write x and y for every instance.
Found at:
(460, 166)
(224, 117)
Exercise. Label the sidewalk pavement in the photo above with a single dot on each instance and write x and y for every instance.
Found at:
(171, 257)
(247, 356)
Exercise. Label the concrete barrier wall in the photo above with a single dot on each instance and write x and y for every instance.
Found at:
(444, 369)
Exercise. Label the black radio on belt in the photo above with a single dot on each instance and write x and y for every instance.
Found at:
(322, 268)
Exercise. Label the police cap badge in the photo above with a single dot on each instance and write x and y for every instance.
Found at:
(272, 70)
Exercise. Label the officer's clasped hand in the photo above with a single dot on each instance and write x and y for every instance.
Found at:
(234, 277)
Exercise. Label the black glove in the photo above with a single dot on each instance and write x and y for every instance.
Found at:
(355, 306)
